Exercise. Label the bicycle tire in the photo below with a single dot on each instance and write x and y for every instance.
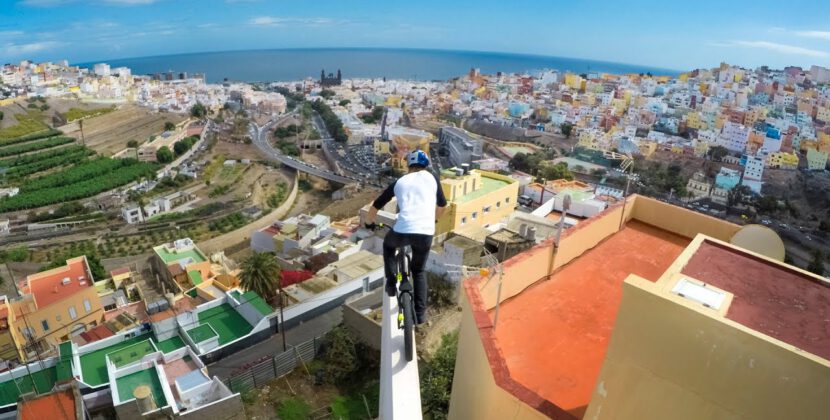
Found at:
(406, 304)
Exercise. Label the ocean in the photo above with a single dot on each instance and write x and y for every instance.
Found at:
(410, 64)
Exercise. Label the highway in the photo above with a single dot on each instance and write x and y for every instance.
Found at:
(260, 136)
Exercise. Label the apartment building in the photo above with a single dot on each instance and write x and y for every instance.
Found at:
(55, 305)
(660, 317)
(461, 147)
(476, 198)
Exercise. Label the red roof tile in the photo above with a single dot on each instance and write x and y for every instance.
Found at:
(48, 287)
(59, 405)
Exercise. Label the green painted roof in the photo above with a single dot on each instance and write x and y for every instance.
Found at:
(170, 344)
(171, 257)
(131, 354)
(488, 185)
(195, 277)
(258, 302)
(41, 381)
(227, 322)
(127, 385)
(94, 366)
(201, 333)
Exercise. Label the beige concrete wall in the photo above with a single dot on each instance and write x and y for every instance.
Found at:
(231, 409)
(475, 394)
(368, 330)
(670, 360)
(59, 329)
(681, 221)
(533, 265)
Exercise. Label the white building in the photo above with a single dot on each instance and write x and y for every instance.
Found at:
(101, 69)
(734, 136)
(753, 172)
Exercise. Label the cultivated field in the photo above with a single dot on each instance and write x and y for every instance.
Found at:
(108, 134)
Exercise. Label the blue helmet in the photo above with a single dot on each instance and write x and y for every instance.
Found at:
(418, 158)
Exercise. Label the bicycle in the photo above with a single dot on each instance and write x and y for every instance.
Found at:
(405, 294)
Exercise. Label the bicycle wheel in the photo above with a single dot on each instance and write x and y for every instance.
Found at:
(406, 305)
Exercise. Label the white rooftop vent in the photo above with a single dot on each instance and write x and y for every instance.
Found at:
(699, 292)
(65, 281)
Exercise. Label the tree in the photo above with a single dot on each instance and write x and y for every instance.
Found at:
(344, 102)
(741, 194)
(94, 263)
(198, 110)
(169, 126)
(767, 204)
(558, 171)
(132, 143)
(436, 382)
(1, 115)
(327, 93)
(817, 264)
(164, 155)
(261, 273)
(566, 130)
(341, 355)
(717, 152)
(180, 147)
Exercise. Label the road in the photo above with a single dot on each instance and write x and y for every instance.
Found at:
(261, 141)
(306, 331)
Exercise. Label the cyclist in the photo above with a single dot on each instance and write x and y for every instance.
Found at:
(421, 202)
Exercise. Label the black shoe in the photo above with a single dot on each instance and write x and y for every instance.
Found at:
(391, 291)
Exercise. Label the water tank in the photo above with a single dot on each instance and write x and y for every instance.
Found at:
(144, 398)
(465, 167)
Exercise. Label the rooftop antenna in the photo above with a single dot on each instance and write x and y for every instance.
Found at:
(566, 205)
(489, 267)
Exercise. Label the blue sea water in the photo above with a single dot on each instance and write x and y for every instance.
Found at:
(412, 64)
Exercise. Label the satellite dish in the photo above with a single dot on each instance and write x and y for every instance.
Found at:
(761, 240)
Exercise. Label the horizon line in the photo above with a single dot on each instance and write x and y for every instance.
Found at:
(446, 50)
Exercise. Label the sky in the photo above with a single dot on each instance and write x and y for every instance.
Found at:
(658, 33)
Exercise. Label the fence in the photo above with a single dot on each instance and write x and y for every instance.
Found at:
(275, 367)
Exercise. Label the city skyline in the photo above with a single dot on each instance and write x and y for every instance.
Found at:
(647, 33)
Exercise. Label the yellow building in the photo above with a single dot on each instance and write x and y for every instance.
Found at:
(8, 348)
(659, 317)
(823, 114)
(782, 160)
(816, 161)
(478, 198)
(381, 147)
(693, 120)
(647, 147)
(573, 81)
(55, 305)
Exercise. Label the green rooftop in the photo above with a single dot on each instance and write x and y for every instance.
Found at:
(227, 322)
(127, 384)
(258, 302)
(488, 185)
(195, 277)
(201, 333)
(93, 365)
(131, 354)
(170, 344)
(171, 257)
(41, 381)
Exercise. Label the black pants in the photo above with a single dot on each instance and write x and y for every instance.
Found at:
(420, 251)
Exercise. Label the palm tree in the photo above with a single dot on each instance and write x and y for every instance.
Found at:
(262, 274)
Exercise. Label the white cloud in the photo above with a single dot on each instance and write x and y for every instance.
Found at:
(775, 47)
(10, 34)
(279, 21)
(17, 50)
(814, 34)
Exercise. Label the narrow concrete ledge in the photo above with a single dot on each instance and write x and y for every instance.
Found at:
(400, 387)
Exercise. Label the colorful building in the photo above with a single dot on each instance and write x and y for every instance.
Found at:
(727, 178)
(476, 198)
(782, 160)
(55, 305)
(816, 161)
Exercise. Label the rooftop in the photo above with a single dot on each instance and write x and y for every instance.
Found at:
(60, 404)
(54, 285)
(131, 354)
(488, 185)
(169, 253)
(127, 384)
(257, 302)
(40, 382)
(769, 298)
(201, 333)
(576, 308)
(228, 323)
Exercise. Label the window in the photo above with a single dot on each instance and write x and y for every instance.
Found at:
(45, 325)
(464, 220)
(475, 214)
(87, 305)
(72, 313)
(487, 209)
(507, 200)
(498, 204)
(58, 318)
